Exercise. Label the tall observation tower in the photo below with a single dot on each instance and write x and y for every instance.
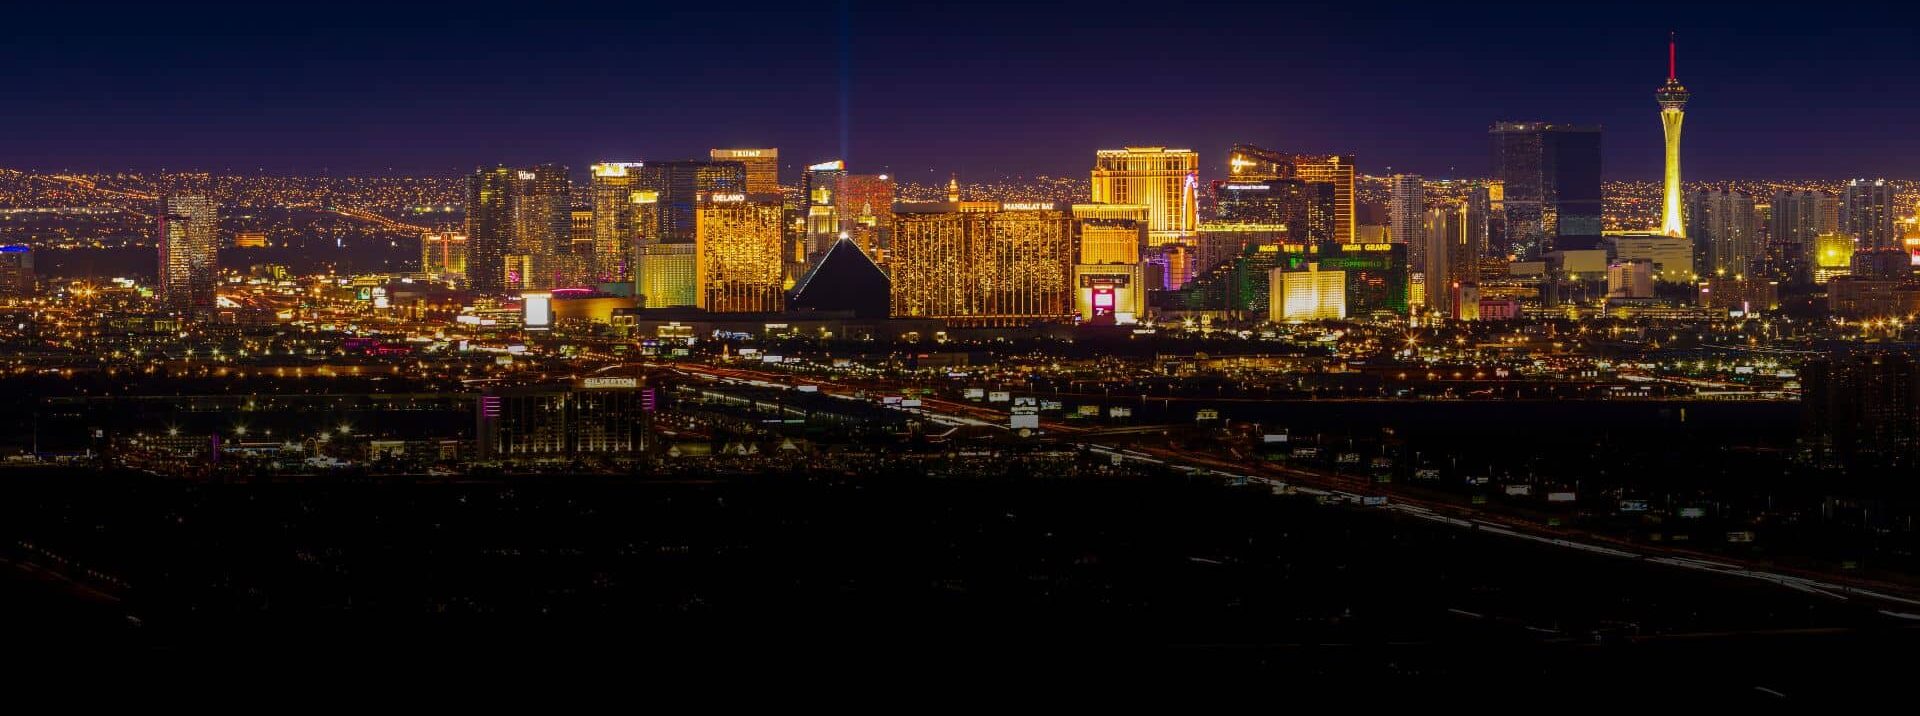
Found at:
(1673, 103)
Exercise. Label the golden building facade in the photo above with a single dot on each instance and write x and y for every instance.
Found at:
(738, 266)
(1337, 170)
(1110, 233)
(982, 264)
(616, 187)
(443, 255)
(763, 167)
(1164, 180)
(664, 276)
(1310, 295)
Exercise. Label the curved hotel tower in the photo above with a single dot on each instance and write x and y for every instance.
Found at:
(1673, 103)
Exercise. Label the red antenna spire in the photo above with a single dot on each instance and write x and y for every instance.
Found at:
(1670, 57)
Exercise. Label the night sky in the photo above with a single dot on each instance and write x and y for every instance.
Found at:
(982, 88)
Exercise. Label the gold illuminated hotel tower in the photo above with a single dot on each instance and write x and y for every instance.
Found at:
(737, 266)
(1673, 103)
(763, 167)
(1165, 180)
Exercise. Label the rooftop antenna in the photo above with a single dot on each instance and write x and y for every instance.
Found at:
(1671, 73)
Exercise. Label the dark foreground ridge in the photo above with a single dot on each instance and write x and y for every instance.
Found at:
(1002, 569)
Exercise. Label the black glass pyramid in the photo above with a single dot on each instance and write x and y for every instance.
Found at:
(844, 280)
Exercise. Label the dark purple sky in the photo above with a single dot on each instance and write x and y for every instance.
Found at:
(983, 88)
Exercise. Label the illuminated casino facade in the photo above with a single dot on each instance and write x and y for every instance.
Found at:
(1109, 280)
(1307, 295)
(982, 263)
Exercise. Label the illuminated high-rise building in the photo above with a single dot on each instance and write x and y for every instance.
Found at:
(542, 210)
(738, 267)
(189, 252)
(1406, 207)
(580, 237)
(17, 276)
(664, 275)
(1867, 213)
(1165, 180)
(983, 263)
(1109, 281)
(489, 228)
(1336, 171)
(1480, 216)
(822, 185)
(683, 184)
(1550, 184)
(762, 166)
(1493, 198)
(1451, 260)
(865, 209)
(1249, 163)
(1329, 178)
(1725, 232)
(1307, 209)
(1833, 256)
(1673, 104)
(443, 255)
(1795, 220)
(615, 191)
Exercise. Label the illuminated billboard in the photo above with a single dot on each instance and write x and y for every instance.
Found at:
(536, 310)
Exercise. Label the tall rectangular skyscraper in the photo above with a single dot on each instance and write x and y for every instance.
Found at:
(762, 166)
(866, 211)
(1330, 180)
(1406, 204)
(737, 261)
(1866, 212)
(683, 184)
(1550, 174)
(1451, 260)
(542, 211)
(1795, 220)
(615, 192)
(189, 252)
(1336, 171)
(1725, 232)
(822, 186)
(17, 276)
(1166, 181)
(490, 225)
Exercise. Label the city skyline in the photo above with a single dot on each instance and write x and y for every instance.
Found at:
(349, 96)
